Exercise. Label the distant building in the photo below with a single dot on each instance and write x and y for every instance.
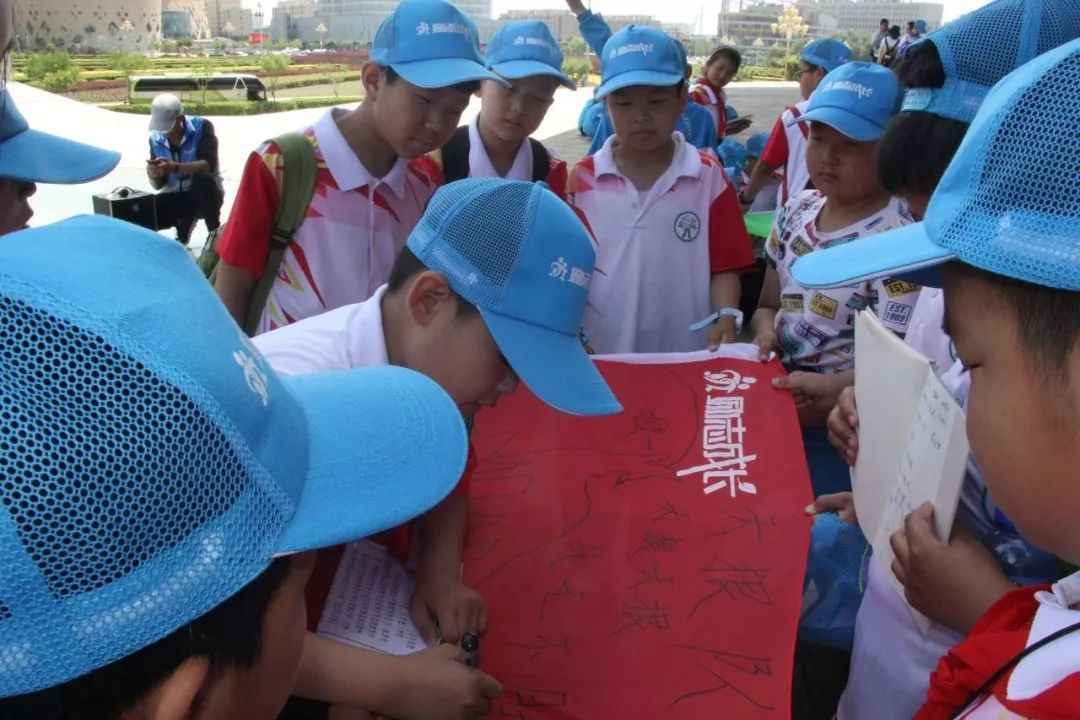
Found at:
(750, 28)
(357, 20)
(105, 25)
(185, 19)
(563, 25)
(286, 14)
(228, 18)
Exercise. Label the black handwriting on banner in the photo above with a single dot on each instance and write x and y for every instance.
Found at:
(747, 520)
(542, 645)
(562, 591)
(643, 616)
(725, 671)
(735, 582)
(660, 542)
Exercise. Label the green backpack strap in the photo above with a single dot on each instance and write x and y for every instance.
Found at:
(298, 185)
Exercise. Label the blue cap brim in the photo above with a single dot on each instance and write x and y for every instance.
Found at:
(34, 156)
(553, 365)
(906, 252)
(848, 123)
(444, 72)
(638, 77)
(517, 69)
(386, 445)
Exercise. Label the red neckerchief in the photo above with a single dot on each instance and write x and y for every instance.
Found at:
(999, 636)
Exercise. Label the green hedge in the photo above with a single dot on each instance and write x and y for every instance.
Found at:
(241, 107)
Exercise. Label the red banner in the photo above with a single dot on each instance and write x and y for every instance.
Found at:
(647, 565)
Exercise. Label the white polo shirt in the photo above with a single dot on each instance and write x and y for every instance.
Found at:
(347, 337)
(656, 251)
(480, 165)
(353, 230)
(786, 148)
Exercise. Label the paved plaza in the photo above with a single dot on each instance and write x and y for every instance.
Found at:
(128, 135)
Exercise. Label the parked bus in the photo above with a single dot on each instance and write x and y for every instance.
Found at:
(190, 87)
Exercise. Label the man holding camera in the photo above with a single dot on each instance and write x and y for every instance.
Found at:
(183, 168)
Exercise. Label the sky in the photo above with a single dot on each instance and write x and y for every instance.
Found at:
(674, 11)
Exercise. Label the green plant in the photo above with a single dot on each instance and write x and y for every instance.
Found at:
(204, 70)
(127, 65)
(60, 80)
(576, 68)
(575, 47)
(243, 107)
(37, 65)
(274, 65)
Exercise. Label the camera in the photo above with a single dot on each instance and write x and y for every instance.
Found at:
(134, 206)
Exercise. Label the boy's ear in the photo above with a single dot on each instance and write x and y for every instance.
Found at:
(175, 697)
(371, 77)
(429, 295)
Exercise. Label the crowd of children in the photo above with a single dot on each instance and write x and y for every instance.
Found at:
(437, 265)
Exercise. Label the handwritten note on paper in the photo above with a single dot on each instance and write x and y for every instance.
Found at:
(931, 469)
(368, 605)
(649, 564)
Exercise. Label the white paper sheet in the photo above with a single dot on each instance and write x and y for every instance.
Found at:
(368, 605)
(931, 469)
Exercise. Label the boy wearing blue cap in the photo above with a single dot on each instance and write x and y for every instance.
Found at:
(372, 178)
(947, 78)
(786, 148)
(491, 287)
(1004, 246)
(814, 331)
(695, 123)
(170, 485)
(498, 142)
(670, 238)
(28, 157)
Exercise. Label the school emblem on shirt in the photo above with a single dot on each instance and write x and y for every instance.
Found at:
(899, 287)
(687, 226)
(824, 306)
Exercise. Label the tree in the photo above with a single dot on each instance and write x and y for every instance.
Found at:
(576, 47)
(128, 65)
(274, 65)
(38, 66)
(60, 80)
(205, 71)
(577, 69)
(859, 43)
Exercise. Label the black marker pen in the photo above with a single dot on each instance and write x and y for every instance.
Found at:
(470, 646)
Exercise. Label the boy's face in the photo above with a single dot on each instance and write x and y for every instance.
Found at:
(413, 120)
(720, 71)
(1023, 422)
(840, 167)
(513, 114)
(750, 164)
(645, 116)
(260, 692)
(809, 78)
(455, 349)
(15, 210)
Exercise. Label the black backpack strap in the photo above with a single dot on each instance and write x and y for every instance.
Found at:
(541, 160)
(455, 155)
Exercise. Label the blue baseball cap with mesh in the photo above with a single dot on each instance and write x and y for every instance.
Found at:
(1008, 203)
(522, 257)
(153, 464)
(857, 99)
(640, 55)
(431, 44)
(526, 48)
(826, 53)
(1018, 30)
(733, 153)
(755, 144)
(33, 156)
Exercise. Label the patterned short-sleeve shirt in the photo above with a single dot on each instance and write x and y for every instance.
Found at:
(816, 328)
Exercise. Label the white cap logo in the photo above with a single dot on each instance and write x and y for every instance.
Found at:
(847, 86)
(253, 376)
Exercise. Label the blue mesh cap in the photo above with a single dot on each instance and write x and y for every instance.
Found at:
(755, 144)
(1017, 30)
(526, 48)
(519, 254)
(826, 53)
(33, 156)
(733, 153)
(640, 55)
(857, 99)
(151, 462)
(996, 208)
(432, 44)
